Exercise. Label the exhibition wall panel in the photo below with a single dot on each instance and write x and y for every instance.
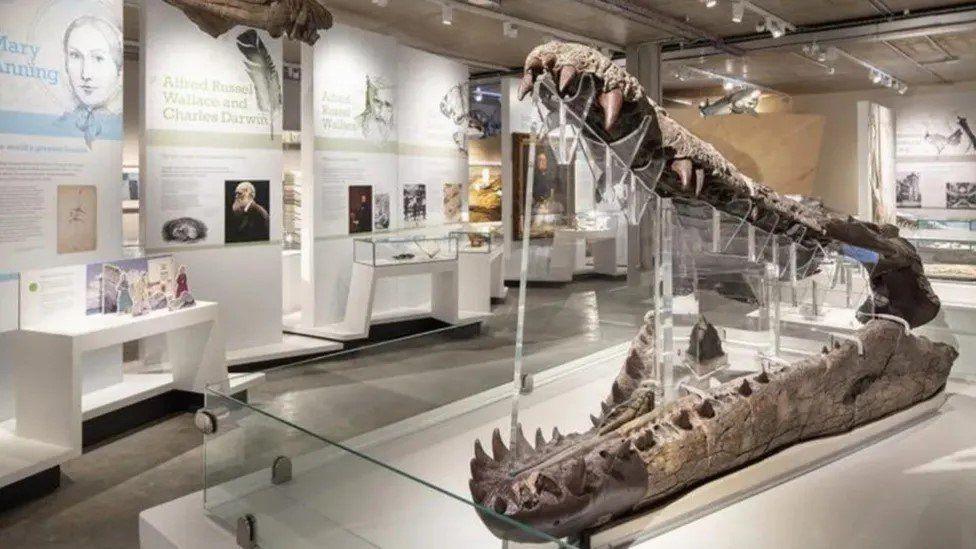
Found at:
(945, 155)
(380, 157)
(61, 74)
(212, 165)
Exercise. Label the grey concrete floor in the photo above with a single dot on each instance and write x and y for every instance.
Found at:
(104, 490)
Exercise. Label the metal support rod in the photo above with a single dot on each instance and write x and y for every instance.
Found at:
(663, 301)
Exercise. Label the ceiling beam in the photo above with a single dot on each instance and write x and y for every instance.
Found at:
(660, 21)
(930, 23)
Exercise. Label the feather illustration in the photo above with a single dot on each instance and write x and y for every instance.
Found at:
(263, 73)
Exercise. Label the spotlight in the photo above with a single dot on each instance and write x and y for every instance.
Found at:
(902, 89)
(447, 15)
(477, 94)
(761, 26)
(831, 70)
(738, 11)
(875, 77)
(509, 29)
(728, 85)
(380, 3)
(710, 3)
(775, 28)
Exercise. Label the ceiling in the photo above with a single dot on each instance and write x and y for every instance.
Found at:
(475, 36)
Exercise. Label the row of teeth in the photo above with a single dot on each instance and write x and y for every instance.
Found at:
(612, 101)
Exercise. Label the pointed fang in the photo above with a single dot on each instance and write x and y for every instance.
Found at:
(611, 102)
(498, 447)
(699, 181)
(540, 440)
(480, 455)
(594, 420)
(566, 75)
(525, 88)
(556, 435)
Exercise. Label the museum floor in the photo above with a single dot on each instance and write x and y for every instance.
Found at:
(104, 490)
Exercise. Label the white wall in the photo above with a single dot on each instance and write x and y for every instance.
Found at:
(836, 180)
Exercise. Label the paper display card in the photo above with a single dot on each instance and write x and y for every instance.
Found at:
(102, 281)
(60, 132)
(55, 294)
(213, 108)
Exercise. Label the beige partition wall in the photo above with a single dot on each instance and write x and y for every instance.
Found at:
(782, 150)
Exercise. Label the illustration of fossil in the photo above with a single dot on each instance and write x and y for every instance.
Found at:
(639, 452)
(940, 142)
(298, 19)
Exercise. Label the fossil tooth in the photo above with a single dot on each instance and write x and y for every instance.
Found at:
(480, 456)
(545, 483)
(540, 441)
(498, 447)
(556, 435)
(594, 420)
(618, 393)
(525, 88)
(611, 102)
(604, 407)
(566, 75)
(699, 181)
(684, 168)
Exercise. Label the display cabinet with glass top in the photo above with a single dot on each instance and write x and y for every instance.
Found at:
(384, 251)
(483, 241)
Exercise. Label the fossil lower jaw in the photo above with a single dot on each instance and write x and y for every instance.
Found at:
(570, 484)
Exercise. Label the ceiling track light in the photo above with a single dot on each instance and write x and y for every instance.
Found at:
(381, 3)
(768, 21)
(710, 3)
(447, 14)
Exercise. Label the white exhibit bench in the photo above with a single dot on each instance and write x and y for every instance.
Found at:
(70, 371)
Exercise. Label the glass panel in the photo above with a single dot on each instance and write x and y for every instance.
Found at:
(381, 251)
(301, 490)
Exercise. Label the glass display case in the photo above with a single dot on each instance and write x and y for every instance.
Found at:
(948, 253)
(382, 251)
(483, 241)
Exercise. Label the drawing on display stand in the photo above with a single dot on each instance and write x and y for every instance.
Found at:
(452, 203)
(961, 196)
(263, 73)
(360, 209)
(908, 193)
(77, 218)
(246, 216)
(185, 230)
(381, 211)
(123, 295)
(377, 115)
(414, 204)
(139, 293)
(184, 298)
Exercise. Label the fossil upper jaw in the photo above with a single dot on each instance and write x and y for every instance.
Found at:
(668, 159)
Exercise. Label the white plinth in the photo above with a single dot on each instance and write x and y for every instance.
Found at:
(479, 276)
(50, 362)
(436, 446)
(359, 316)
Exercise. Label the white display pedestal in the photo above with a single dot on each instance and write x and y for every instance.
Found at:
(60, 378)
(359, 314)
(436, 446)
(603, 245)
(480, 275)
